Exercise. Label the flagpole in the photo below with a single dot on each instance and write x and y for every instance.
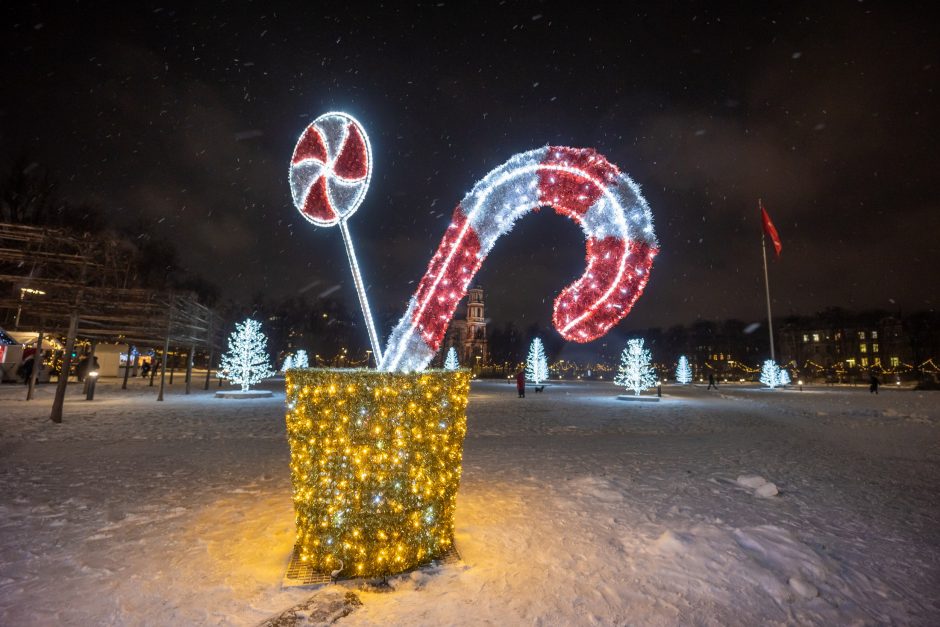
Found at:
(770, 320)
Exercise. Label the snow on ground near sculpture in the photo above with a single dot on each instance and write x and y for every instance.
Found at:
(575, 508)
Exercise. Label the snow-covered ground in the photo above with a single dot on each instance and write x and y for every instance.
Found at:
(575, 508)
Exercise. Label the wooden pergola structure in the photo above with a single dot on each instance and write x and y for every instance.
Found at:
(84, 287)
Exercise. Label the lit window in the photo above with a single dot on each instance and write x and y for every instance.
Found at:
(861, 335)
(863, 348)
(864, 362)
(895, 362)
(874, 335)
(874, 347)
(815, 337)
(876, 361)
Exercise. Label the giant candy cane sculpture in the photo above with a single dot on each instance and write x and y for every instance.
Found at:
(578, 183)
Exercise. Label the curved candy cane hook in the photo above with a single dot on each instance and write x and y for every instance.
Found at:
(578, 183)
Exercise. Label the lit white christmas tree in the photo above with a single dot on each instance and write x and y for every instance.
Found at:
(536, 366)
(635, 371)
(451, 362)
(246, 363)
(784, 377)
(295, 360)
(683, 371)
(770, 374)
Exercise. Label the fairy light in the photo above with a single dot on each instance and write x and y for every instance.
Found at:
(246, 361)
(451, 362)
(770, 374)
(536, 366)
(577, 183)
(635, 372)
(375, 466)
(683, 371)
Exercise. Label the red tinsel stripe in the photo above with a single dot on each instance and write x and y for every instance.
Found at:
(352, 163)
(456, 262)
(310, 146)
(568, 193)
(317, 203)
(603, 258)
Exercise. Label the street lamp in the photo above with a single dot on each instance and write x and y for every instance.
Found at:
(19, 309)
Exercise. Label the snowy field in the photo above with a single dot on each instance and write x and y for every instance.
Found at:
(575, 508)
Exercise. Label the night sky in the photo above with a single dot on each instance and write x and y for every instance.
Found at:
(187, 118)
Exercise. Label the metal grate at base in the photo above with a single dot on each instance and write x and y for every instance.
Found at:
(300, 573)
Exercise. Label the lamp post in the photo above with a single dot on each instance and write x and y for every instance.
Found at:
(19, 309)
(92, 379)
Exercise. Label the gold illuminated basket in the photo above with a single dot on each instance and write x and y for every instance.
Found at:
(375, 465)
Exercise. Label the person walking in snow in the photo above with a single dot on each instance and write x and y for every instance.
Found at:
(520, 383)
(711, 382)
(82, 369)
(26, 368)
(874, 383)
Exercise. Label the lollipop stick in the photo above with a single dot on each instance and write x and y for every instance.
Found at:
(363, 301)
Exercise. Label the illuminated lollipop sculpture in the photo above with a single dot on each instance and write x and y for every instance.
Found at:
(329, 175)
(376, 454)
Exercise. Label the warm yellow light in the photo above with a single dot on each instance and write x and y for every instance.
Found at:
(375, 465)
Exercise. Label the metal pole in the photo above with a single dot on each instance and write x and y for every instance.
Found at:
(37, 364)
(153, 367)
(363, 301)
(166, 349)
(770, 320)
(90, 380)
(189, 367)
(208, 368)
(209, 346)
(127, 366)
(91, 376)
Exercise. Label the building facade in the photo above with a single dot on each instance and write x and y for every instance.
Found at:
(468, 336)
(846, 345)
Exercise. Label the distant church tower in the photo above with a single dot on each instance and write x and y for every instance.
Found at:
(474, 344)
(468, 336)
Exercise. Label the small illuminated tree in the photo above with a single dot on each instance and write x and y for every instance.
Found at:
(783, 377)
(635, 371)
(683, 371)
(451, 362)
(246, 361)
(301, 360)
(536, 366)
(770, 374)
(288, 363)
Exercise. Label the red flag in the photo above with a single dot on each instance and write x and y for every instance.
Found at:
(771, 230)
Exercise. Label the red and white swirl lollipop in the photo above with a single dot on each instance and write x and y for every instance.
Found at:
(329, 175)
(579, 184)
